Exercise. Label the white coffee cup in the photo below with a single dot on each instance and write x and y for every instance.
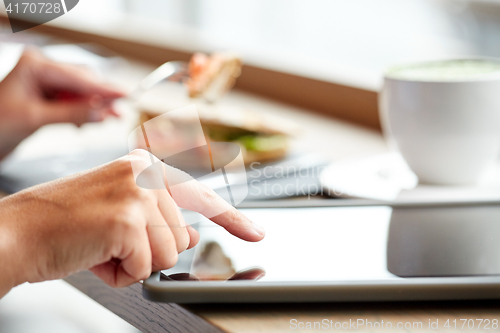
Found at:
(444, 117)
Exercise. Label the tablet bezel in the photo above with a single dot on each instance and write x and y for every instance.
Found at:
(405, 289)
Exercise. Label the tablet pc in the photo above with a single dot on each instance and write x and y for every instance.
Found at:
(358, 253)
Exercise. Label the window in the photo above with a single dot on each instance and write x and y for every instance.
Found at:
(319, 35)
(325, 39)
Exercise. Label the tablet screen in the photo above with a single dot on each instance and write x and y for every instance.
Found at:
(349, 243)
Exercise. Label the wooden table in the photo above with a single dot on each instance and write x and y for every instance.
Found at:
(129, 304)
(333, 139)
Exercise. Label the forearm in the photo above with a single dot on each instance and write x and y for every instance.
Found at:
(11, 251)
(7, 256)
(6, 275)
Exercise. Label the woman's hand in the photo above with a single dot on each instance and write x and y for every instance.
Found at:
(103, 221)
(39, 91)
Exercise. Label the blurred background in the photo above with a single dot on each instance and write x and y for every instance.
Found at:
(318, 38)
(310, 37)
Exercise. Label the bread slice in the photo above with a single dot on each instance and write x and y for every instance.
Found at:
(261, 137)
(210, 76)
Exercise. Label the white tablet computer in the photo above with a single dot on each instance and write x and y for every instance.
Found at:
(358, 253)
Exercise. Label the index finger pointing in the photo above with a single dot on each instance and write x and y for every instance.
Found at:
(239, 225)
(190, 194)
(200, 198)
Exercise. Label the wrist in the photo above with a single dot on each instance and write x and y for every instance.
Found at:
(9, 274)
(12, 256)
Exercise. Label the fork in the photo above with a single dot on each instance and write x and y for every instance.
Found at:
(169, 70)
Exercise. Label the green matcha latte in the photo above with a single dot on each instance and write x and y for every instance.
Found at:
(446, 70)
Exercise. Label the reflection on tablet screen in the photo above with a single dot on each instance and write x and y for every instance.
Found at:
(351, 243)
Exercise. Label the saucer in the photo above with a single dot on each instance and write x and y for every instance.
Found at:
(387, 177)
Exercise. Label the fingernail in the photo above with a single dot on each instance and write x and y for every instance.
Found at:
(108, 101)
(96, 102)
(258, 229)
(114, 112)
(94, 116)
